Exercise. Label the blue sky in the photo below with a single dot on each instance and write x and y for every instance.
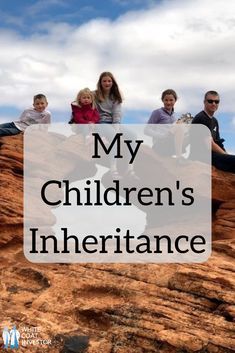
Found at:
(58, 47)
(15, 13)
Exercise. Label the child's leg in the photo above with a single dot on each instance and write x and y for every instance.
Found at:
(130, 135)
(8, 129)
(88, 129)
(224, 162)
(179, 138)
(108, 134)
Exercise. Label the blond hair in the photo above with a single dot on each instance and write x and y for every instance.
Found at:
(88, 92)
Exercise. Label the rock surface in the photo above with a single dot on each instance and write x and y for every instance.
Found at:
(11, 188)
(118, 308)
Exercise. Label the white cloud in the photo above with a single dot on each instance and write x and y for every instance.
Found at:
(186, 45)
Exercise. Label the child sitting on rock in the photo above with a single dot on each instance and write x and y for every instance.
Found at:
(84, 109)
(35, 115)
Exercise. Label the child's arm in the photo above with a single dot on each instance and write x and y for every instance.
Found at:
(47, 118)
(156, 126)
(217, 148)
(78, 115)
(117, 113)
(27, 118)
(96, 116)
(150, 128)
(24, 115)
(80, 119)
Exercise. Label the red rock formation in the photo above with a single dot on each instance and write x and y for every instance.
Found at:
(11, 188)
(121, 308)
(224, 200)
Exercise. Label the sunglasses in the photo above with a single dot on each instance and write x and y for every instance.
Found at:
(210, 101)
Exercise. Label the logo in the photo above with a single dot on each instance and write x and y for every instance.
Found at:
(10, 338)
(28, 336)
